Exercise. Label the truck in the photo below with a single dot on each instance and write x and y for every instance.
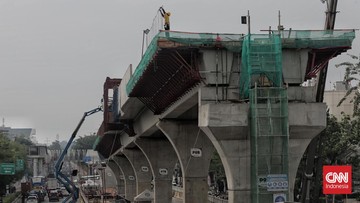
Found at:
(38, 187)
(25, 188)
(52, 184)
(38, 181)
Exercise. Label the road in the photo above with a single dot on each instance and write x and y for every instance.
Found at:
(47, 200)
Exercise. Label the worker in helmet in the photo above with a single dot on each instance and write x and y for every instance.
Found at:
(166, 16)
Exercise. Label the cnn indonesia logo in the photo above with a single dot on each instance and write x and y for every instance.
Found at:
(337, 179)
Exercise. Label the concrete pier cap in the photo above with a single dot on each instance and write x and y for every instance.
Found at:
(227, 126)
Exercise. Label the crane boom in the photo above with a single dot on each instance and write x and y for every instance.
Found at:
(314, 146)
(68, 184)
(329, 25)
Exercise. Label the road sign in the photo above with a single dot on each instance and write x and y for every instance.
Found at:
(87, 159)
(19, 165)
(163, 171)
(7, 169)
(196, 152)
(279, 198)
(277, 182)
(262, 182)
(144, 168)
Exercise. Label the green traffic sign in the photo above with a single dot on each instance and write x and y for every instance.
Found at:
(19, 165)
(7, 169)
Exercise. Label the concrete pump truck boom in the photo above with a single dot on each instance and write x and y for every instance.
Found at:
(68, 184)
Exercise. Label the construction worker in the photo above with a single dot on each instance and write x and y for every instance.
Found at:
(166, 16)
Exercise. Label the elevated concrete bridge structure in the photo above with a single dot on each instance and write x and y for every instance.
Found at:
(183, 102)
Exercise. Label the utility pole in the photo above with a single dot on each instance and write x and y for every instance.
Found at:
(248, 19)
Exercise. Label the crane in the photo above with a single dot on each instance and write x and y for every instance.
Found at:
(68, 184)
(313, 149)
(329, 25)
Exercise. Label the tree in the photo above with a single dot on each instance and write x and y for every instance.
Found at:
(85, 142)
(23, 141)
(340, 141)
(351, 76)
(349, 126)
(217, 172)
(55, 145)
(10, 152)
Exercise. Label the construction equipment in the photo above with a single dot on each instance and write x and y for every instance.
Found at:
(313, 170)
(68, 184)
(329, 25)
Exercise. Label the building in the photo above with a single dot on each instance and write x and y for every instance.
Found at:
(333, 97)
(12, 133)
(38, 160)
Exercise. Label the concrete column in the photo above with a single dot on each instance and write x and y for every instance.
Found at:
(142, 168)
(120, 184)
(41, 167)
(162, 158)
(227, 127)
(306, 120)
(129, 176)
(35, 167)
(185, 137)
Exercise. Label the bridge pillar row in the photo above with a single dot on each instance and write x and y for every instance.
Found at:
(162, 159)
(194, 151)
(142, 168)
(120, 184)
(129, 176)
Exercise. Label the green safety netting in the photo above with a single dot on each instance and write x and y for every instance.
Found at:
(231, 42)
(234, 42)
(316, 38)
(261, 83)
(261, 62)
(97, 141)
(269, 129)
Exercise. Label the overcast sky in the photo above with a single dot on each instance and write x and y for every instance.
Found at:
(56, 54)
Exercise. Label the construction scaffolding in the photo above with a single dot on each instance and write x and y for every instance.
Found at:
(269, 142)
(261, 83)
(261, 63)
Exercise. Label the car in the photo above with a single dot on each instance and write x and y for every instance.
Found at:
(32, 199)
(53, 195)
(38, 193)
(33, 193)
(33, 196)
(120, 199)
(64, 192)
(59, 192)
